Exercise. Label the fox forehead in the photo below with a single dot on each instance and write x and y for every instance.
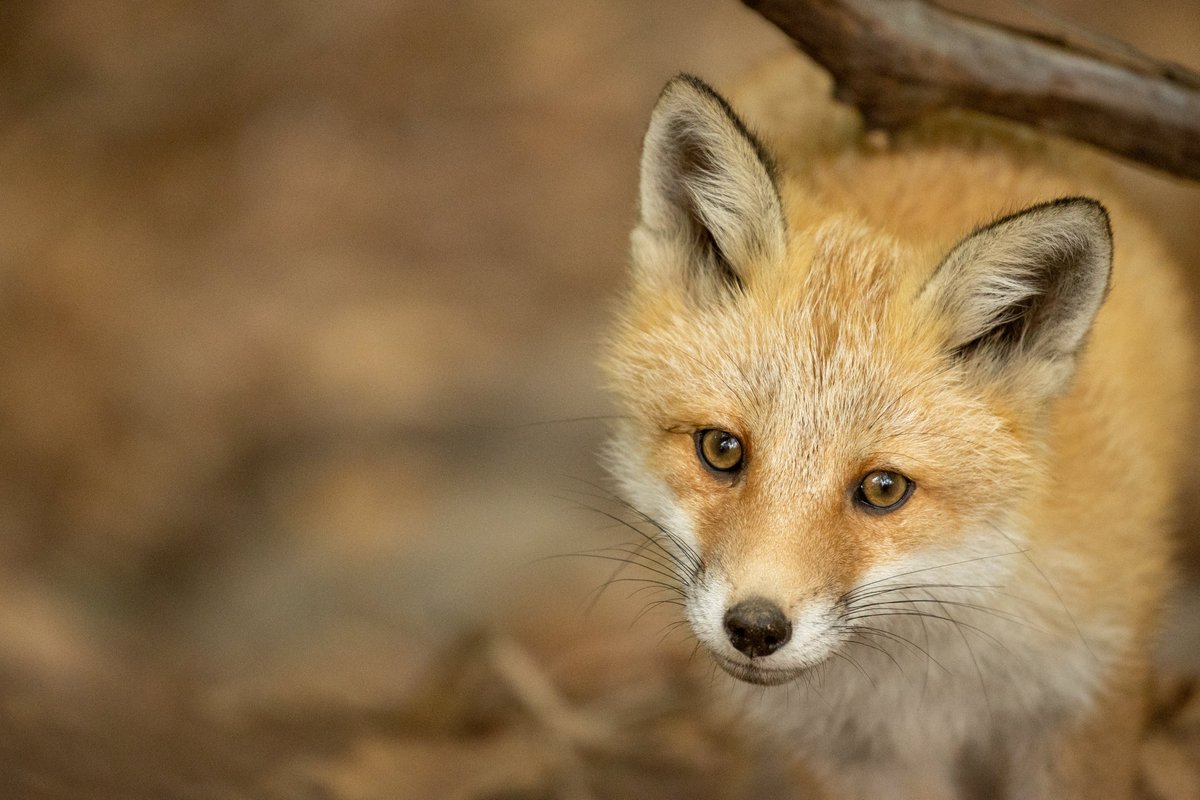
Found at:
(832, 327)
(825, 369)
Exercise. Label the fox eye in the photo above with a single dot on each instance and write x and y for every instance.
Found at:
(720, 451)
(882, 491)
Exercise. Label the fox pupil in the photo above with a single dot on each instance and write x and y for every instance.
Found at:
(884, 491)
(719, 450)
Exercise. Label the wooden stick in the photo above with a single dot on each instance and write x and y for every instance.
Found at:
(898, 59)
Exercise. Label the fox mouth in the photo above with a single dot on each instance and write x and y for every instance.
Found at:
(762, 676)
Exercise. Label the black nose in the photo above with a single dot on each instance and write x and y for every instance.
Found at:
(757, 627)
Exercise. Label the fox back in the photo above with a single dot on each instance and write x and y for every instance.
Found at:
(908, 418)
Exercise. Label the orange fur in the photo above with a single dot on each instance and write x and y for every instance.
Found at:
(828, 363)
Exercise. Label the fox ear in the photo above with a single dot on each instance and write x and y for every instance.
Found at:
(1022, 293)
(708, 193)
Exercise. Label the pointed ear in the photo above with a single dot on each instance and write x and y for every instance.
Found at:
(1022, 293)
(708, 193)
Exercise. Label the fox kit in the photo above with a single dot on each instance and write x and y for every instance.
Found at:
(907, 418)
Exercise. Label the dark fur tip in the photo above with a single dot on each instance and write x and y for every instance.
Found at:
(685, 81)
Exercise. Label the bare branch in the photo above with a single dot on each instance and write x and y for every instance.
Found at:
(898, 59)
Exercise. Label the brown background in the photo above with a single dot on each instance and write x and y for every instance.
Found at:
(296, 302)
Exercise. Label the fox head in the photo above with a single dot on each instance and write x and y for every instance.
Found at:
(814, 412)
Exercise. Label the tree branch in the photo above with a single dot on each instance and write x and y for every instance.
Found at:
(898, 59)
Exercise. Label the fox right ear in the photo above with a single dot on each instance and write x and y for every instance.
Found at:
(709, 203)
(1021, 293)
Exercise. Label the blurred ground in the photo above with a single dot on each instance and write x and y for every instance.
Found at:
(298, 309)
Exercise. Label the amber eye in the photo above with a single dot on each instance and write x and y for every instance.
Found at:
(720, 451)
(884, 491)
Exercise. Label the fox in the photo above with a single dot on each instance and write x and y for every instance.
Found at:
(910, 418)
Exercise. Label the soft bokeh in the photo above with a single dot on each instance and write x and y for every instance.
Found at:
(299, 305)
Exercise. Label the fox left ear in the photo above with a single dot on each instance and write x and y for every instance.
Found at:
(709, 204)
(1022, 293)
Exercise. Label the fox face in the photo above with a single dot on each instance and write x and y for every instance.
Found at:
(830, 428)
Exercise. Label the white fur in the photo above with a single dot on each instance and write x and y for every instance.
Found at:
(962, 679)
(883, 698)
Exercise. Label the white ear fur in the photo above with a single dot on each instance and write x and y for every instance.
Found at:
(707, 187)
(1024, 291)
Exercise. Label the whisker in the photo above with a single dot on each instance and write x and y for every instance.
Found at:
(852, 597)
(657, 586)
(608, 494)
(979, 631)
(686, 553)
(640, 554)
(868, 629)
(1004, 615)
(809, 686)
(593, 597)
(651, 540)
(857, 666)
(665, 601)
(936, 566)
(987, 700)
(671, 584)
(646, 609)
(854, 640)
(670, 576)
(669, 629)
(1053, 588)
(695, 649)
(652, 584)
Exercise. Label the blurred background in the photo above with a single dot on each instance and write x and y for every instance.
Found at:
(299, 305)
